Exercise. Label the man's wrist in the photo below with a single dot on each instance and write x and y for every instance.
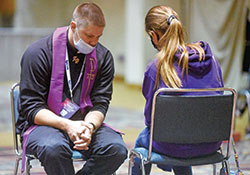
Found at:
(94, 127)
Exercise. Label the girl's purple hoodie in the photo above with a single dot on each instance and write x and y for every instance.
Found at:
(201, 74)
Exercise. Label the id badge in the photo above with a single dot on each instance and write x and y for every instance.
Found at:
(70, 110)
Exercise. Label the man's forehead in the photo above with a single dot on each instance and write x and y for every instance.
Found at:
(92, 30)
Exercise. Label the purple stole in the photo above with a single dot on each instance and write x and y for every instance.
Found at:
(58, 69)
(59, 44)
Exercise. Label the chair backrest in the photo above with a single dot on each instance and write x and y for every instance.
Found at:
(190, 119)
(14, 98)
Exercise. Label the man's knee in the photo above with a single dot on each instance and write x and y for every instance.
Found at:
(120, 152)
(54, 152)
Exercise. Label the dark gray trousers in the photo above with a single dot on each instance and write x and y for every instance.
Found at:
(53, 148)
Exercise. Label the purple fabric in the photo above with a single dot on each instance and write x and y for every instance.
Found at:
(88, 80)
(58, 69)
(25, 140)
(205, 74)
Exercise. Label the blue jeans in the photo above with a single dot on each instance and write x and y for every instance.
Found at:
(143, 141)
(53, 148)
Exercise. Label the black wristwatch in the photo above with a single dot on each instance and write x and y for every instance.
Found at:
(93, 126)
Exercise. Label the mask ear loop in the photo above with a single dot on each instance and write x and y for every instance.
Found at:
(78, 34)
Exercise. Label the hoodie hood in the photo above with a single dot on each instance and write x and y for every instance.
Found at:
(194, 64)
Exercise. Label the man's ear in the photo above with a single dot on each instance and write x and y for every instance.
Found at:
(73, 26)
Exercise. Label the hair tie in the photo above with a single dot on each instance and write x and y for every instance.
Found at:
(170, 18)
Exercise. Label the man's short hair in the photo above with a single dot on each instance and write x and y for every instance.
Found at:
(88, 14)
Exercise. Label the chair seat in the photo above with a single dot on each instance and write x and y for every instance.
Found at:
(77, 155)
(162, 159)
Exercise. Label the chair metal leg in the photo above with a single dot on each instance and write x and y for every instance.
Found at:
(214, 169)
(227, 167)
(142, 166)
(132, 155)
(16, 165)
(130, 167)
(28, 166)
(131, 162)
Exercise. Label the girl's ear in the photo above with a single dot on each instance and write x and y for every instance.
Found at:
(155, 37)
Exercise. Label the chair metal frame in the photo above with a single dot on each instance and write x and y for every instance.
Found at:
(14, 97)
(146, 154)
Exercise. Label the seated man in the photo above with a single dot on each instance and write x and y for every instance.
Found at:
(65, 89)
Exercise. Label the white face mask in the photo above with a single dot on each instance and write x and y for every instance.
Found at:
(81, 45)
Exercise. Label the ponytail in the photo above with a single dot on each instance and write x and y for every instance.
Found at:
(166, 21)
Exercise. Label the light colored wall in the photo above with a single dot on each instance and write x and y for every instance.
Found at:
(138, 49)
(51, 14)
(114, 33)
(46, 14)
(43, 13)
(13, 43)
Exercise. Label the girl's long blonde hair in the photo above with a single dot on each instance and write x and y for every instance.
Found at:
(171, 41)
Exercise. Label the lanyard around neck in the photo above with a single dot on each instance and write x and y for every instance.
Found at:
(67, 67)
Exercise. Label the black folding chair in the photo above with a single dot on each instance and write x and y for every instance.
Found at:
(14, 94)
(189, 119)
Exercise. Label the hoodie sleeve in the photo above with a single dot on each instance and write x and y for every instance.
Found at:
(148, 90)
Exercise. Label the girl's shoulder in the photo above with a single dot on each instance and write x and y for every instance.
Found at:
(151, 67)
